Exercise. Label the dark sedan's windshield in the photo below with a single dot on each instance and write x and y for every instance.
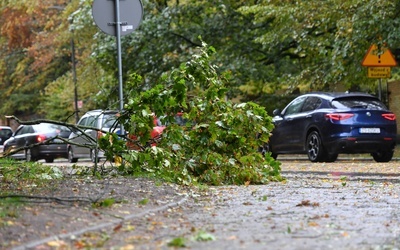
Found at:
(358, 102)
(47, 127)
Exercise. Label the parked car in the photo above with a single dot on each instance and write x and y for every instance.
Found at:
(155, 135)
(323, 125)
(95, 124)
(5, 133)
(44, 135)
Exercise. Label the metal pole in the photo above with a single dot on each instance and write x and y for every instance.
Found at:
(74, 80)
(387, 93)
(118, 32)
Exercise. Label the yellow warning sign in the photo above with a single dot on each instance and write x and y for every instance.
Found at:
(379, 72)
(376, 58)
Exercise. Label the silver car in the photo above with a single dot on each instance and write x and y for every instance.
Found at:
(93, 125)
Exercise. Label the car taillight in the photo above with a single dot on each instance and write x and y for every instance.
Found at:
(390, 117)
(99, 134)
(40, 138)
(339, 116)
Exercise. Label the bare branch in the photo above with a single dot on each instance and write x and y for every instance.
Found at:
(47, 199)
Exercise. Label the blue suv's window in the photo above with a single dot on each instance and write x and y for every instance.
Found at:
(358, 103)
(295, 106)
(311, 103)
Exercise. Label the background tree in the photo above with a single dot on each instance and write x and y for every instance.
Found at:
(36, 77)
(30, 50)
(170, 33)
(325, 41)
(270, 48)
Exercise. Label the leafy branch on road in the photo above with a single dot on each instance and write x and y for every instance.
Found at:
(219, 143)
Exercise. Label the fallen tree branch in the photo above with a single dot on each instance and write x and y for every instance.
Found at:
(48, 199)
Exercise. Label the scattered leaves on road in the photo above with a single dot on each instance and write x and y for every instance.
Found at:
(307, 203)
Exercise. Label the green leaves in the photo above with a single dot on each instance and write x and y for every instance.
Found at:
(218, 145)
(24, 171)
(144, 201)
(108, 202)
(201, 236)
(204, 236)
(177, 242)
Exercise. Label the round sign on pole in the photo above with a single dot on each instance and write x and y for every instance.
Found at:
(104, 15)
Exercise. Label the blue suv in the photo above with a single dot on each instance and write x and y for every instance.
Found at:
(323, 125)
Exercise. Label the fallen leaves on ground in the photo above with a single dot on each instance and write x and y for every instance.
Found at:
(307, 203)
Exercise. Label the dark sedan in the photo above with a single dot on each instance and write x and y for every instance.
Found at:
(323, 125)
(39, 141)
(5, 133)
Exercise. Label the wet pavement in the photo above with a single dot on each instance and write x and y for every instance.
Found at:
(352, 203)
(349, 204)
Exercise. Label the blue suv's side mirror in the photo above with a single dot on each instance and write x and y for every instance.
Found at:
(277, 112)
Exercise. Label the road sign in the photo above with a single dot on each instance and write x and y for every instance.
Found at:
(379, 72)
(376, 58)
(130, 14)
(118, 18)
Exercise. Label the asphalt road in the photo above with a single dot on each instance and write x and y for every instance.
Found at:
(349, 204)
(352, 203)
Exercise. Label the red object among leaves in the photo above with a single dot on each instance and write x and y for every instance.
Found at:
(155, 134)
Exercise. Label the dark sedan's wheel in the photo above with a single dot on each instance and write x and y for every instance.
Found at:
(28, 155)
(49, 160)
(383, 156)
(71, 158)
(315, 150)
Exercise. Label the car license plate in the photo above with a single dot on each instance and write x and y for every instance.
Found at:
(370, 130)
